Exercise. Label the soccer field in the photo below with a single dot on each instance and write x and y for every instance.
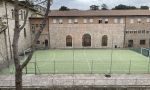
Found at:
(87, 61)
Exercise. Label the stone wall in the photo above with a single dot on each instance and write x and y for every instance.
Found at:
(114, 32)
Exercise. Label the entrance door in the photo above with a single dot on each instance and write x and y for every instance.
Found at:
(46, 43)
(86, 40)
(130, 43)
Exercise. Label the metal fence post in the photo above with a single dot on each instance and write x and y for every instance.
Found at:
(130, 67)
(92, 67)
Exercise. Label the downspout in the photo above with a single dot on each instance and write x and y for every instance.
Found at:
(8, 31)
(125, 32)
(49, 34)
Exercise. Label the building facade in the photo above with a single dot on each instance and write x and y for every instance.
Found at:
(7, 15)
(44, 40)
(98, 29)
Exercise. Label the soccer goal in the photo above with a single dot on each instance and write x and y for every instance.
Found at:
(145, 51)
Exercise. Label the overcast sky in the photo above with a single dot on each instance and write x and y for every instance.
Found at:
(84, 4)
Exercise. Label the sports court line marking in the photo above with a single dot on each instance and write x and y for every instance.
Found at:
(87, 60)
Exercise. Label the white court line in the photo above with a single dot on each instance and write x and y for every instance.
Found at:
(87, 60)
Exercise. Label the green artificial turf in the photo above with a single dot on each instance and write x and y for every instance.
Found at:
(86, 61)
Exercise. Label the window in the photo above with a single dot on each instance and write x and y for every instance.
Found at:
(54, 21)
(115, 20)
(118, 20)
(37, 25)
(12, 13)
(85, 21)
(139, 20)
(41, 26)
(100, 21)
(70, 21)
(142, 42)
(21, 13)
(68, 41)
(143, 31)
(91, 20)
(121, 21)
(75, 21)
(135, 32)
(38, 42)
(25, 34)
(33, 28)
(104, 40)
(60, 21)
(106, 21)
(148, 20)
(139, 31)
(147, 32)
(131, 20)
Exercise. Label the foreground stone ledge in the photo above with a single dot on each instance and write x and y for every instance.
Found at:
(68, 80)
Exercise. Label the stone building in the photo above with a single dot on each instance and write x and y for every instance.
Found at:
(44, 40)
(7, 14)
(98, 29)
(3, 46)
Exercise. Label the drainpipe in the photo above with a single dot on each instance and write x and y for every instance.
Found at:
(125, 32)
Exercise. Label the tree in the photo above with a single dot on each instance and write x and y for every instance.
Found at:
(20, 66)
(94, 7)
(123, 7)
(104, 7)
(64, 8)
(144, 7)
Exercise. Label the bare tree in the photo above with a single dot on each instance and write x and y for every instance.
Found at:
(20, 66)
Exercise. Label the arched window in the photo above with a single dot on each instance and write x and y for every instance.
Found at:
(86, 40)
(21, 14)
(12, 13)
(25, 33)
(68, 41)
(104, 40)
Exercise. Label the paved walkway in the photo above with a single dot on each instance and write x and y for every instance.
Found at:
(78, 80)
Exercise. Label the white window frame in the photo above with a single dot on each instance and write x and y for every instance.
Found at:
(91, 20)
(60, 21)
(76, 20)
(106, 20)
(148, 20)
(115, 20)
(139, 20)
(54, 21)
(84, 20)
(131, 20)
(121, 20)
(70, 21)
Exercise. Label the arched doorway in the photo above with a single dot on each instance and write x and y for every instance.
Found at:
(69, 41)
(46, 43)
(104, 40)
(86, 40)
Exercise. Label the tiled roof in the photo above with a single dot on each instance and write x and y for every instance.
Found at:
(100, 13)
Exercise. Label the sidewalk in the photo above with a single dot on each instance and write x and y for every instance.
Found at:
(120, 80)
